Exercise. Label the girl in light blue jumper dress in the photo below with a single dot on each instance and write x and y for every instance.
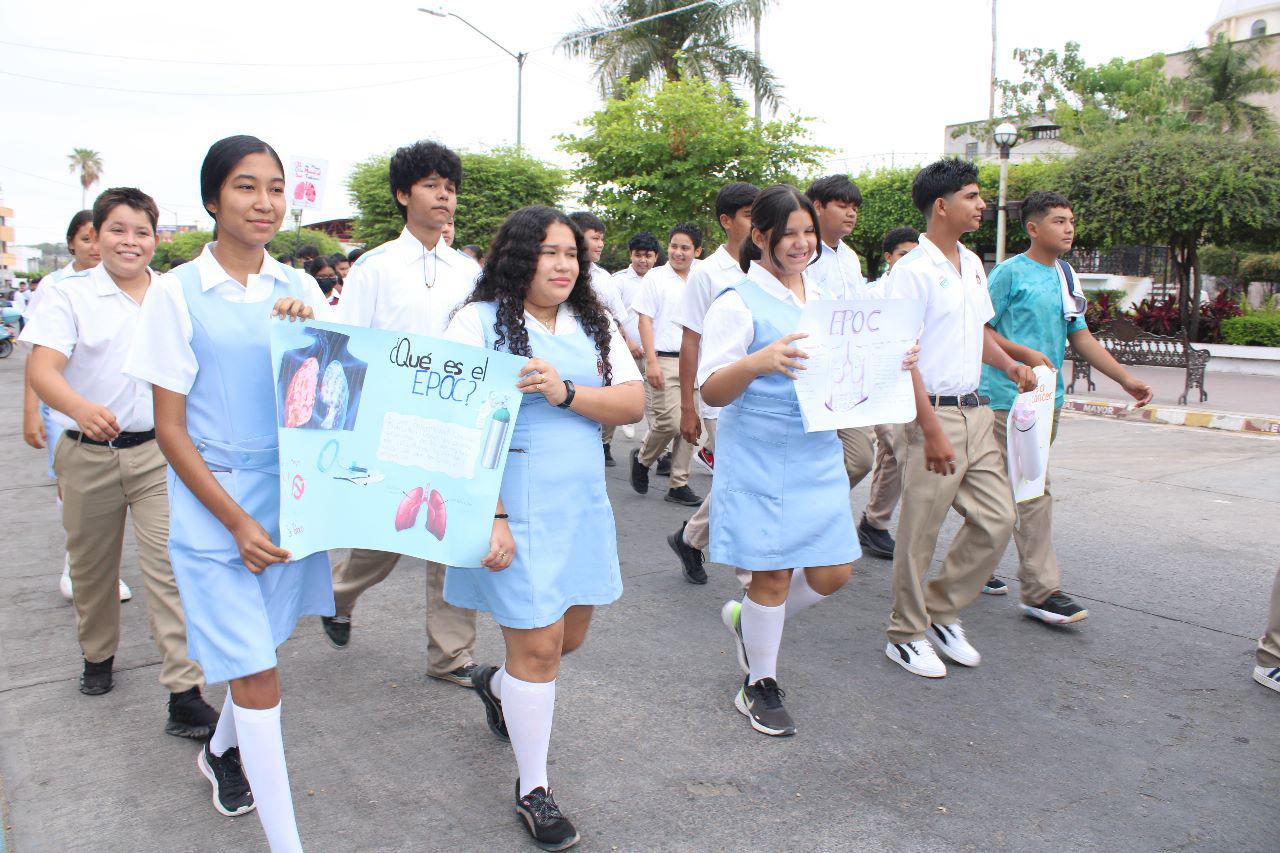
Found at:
(554, 552)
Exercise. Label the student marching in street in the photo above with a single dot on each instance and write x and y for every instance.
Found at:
(1267, 669)
(554, 553)
(204, 344)
(411, 285)
(661, 334)
(108, 464)
(39, 429)
(721, 269)
(643, 251)
(609, 295)
(886, 480)
(781, 500)
(1039, 306)
(950, 458)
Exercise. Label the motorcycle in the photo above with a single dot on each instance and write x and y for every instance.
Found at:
(7, 336)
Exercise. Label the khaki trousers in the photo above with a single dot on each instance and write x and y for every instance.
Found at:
(979, 492)
(451, 631)
(697, 533)
(886, 481)
(1038, 573)
(1269, 644)
(859, 453)
(100, 487)
(663, 408)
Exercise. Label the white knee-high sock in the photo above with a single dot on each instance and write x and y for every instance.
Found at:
(528, 707)
(262, 754)
(801, 595)
(762, 635)
(224, 736)
(495, 683)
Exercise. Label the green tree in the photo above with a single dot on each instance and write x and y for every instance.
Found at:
(89, 164)
(658, 157)
(494, 184)
(288, 242)
(694, 44)
(1178, 190)
(182, 248)
(1220, 79)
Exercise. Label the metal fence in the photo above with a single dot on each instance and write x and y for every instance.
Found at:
(1141, 261)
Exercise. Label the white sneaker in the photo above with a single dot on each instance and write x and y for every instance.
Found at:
(1267, 677)
(125, 592)
(952, 643)
(64, 583)
(917, 657)
(629, 430)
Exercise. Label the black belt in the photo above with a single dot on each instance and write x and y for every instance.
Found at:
(123, 441)
(973, 398)
(662, 354)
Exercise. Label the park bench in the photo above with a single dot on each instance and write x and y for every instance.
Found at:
(1132, 346)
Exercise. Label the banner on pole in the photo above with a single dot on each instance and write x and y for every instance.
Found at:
(305, 182)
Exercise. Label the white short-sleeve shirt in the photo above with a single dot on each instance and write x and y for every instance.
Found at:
(608, 294)
(92, 322)
(728, 329)
(839, 270)
(628, 282)
(404, 287)
(705, 283)
(162, 353)
(957, 307)
(659, 299)
(467, 327)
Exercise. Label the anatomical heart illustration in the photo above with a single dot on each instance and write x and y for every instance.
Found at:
(320, 384)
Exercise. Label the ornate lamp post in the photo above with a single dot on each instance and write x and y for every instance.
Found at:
(1005, 136)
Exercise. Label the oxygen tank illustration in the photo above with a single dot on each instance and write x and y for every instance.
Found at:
(495, 436)
(1025, 446)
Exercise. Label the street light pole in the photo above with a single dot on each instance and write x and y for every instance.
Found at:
(518, 57)
(1006, 134)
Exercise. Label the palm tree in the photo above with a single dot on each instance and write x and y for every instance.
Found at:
(1219, 81)
(697, 43)
(89, 163)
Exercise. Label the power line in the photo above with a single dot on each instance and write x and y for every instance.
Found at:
(604, 30)
(164, 60)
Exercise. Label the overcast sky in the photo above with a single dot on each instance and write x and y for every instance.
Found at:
(877, 78)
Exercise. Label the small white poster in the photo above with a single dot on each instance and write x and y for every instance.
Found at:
(305, 182)
(1028, 430)
(854, 374)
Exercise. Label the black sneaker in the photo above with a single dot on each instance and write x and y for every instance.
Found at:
(190, 716)
(463, 676)
(1057, 609)
(231, 794)
(639, 474)
(690, 557)
(609, 461)
(549, 827)
(995, 586)
(683, 496)
(482, 681)
(337, 629)
(761, 703)
(664, 465)
(96, 678)
(874, 541)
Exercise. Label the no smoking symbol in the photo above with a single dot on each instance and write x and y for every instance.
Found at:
(299, 486)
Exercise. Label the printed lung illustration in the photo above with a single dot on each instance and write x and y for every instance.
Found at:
(407, 512)
(414, 501)
(320, 384)
(435, 515)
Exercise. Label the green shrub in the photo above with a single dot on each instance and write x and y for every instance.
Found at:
(1218, 261)
(1258, 328)
(1261, 267)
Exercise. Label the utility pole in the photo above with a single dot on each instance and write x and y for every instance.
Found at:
(991, 94)
(756, 22)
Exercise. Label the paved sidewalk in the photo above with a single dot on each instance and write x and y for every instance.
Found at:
(1139, 729)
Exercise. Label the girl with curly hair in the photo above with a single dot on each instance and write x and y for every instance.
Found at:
(554, 551)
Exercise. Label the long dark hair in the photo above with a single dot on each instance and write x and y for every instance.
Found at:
(769, 214)
(509, 268)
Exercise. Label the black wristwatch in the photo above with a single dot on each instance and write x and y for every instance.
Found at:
(569, 391)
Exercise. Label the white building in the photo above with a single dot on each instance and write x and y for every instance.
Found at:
(1245, 19)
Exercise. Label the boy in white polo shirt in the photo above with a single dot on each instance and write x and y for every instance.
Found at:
(658, 305)
(720, 270)
(950, 458)
(411, 284)
(643, 249)
(108, 464)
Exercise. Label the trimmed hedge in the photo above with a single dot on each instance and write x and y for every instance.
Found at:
(1259, 328)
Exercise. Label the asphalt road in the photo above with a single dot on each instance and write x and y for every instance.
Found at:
(1140, 729)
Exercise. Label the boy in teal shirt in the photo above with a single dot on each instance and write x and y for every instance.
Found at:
(1039, 307)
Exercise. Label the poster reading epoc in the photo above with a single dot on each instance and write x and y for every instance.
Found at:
(390, 441)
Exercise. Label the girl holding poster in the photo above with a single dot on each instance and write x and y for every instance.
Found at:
(780, 495)
(203, 343)
(554, 552)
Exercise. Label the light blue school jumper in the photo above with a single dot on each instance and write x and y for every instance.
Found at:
(236, 619)
(780, 496)
(553, 489)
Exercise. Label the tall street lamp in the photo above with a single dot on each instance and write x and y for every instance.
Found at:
(1006, 134)
(518, 57)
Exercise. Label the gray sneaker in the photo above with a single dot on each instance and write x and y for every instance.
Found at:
(462, 676)
(761, 703)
